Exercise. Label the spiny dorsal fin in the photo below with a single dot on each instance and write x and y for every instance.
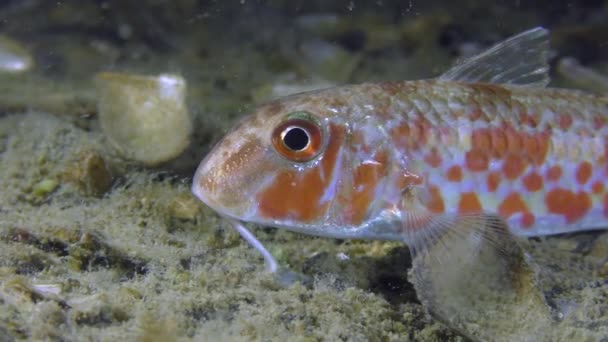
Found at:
(519, 60)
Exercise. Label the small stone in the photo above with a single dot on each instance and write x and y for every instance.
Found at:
(603, 270)
(47, 289)
(599, 249)
(44, 187)
(145, 118)
(568, 245)
(14, 58)
(184, 207)
(90, 174)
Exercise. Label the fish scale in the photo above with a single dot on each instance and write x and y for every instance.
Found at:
(563, 129)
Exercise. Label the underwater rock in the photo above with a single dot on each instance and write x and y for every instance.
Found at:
(90, 174)
(144, 117)
(599, 249)
(14, 58)
(45, 187)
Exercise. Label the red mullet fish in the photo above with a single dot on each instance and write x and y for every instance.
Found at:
(412, 160)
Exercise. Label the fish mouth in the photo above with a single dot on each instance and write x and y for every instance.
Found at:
(237, 223)
(198, 192)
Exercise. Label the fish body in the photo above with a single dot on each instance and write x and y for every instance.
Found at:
(402, 160)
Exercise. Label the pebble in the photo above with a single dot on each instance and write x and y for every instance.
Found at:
(90, 174)
(45, 187)
(599, 249)
(144, 117)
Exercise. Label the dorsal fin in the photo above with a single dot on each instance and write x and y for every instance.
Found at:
(518, 60)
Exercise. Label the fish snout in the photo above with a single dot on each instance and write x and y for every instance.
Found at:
(226, 179)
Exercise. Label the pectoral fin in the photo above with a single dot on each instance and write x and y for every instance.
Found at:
(471, 273)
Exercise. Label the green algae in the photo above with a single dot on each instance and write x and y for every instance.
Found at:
(45, 187)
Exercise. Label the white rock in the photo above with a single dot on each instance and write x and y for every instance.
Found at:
(146, 118)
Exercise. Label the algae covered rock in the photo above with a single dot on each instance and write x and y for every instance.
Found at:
(144, 117)
(89, 173)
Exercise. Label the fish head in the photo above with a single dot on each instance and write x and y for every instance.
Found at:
(285, 165)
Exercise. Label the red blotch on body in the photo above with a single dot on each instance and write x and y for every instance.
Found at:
(477, 160)
(454, 173)
(420, 131)
(480, 139)
(433, 158)
(564, 121)
(533, 182)
(554, 173)
(597, 187)
(512, 204)
(565, 202)
(541, 148)
(412, 136)
(365, 180)
(498, 142)
(475, 114)
(469, 203)
(401, 136)
(583, 173)
(435, 203)
(391, 88)
(528, 119)
(527, 220)
(605, 152)
(493, 181)
(514, 139)
(513, 166)
(599, 121)
(536, 147)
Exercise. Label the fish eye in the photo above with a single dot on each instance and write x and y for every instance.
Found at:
(298, 138)
(295, 138)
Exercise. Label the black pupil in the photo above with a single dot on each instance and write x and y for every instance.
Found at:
(295, 138)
